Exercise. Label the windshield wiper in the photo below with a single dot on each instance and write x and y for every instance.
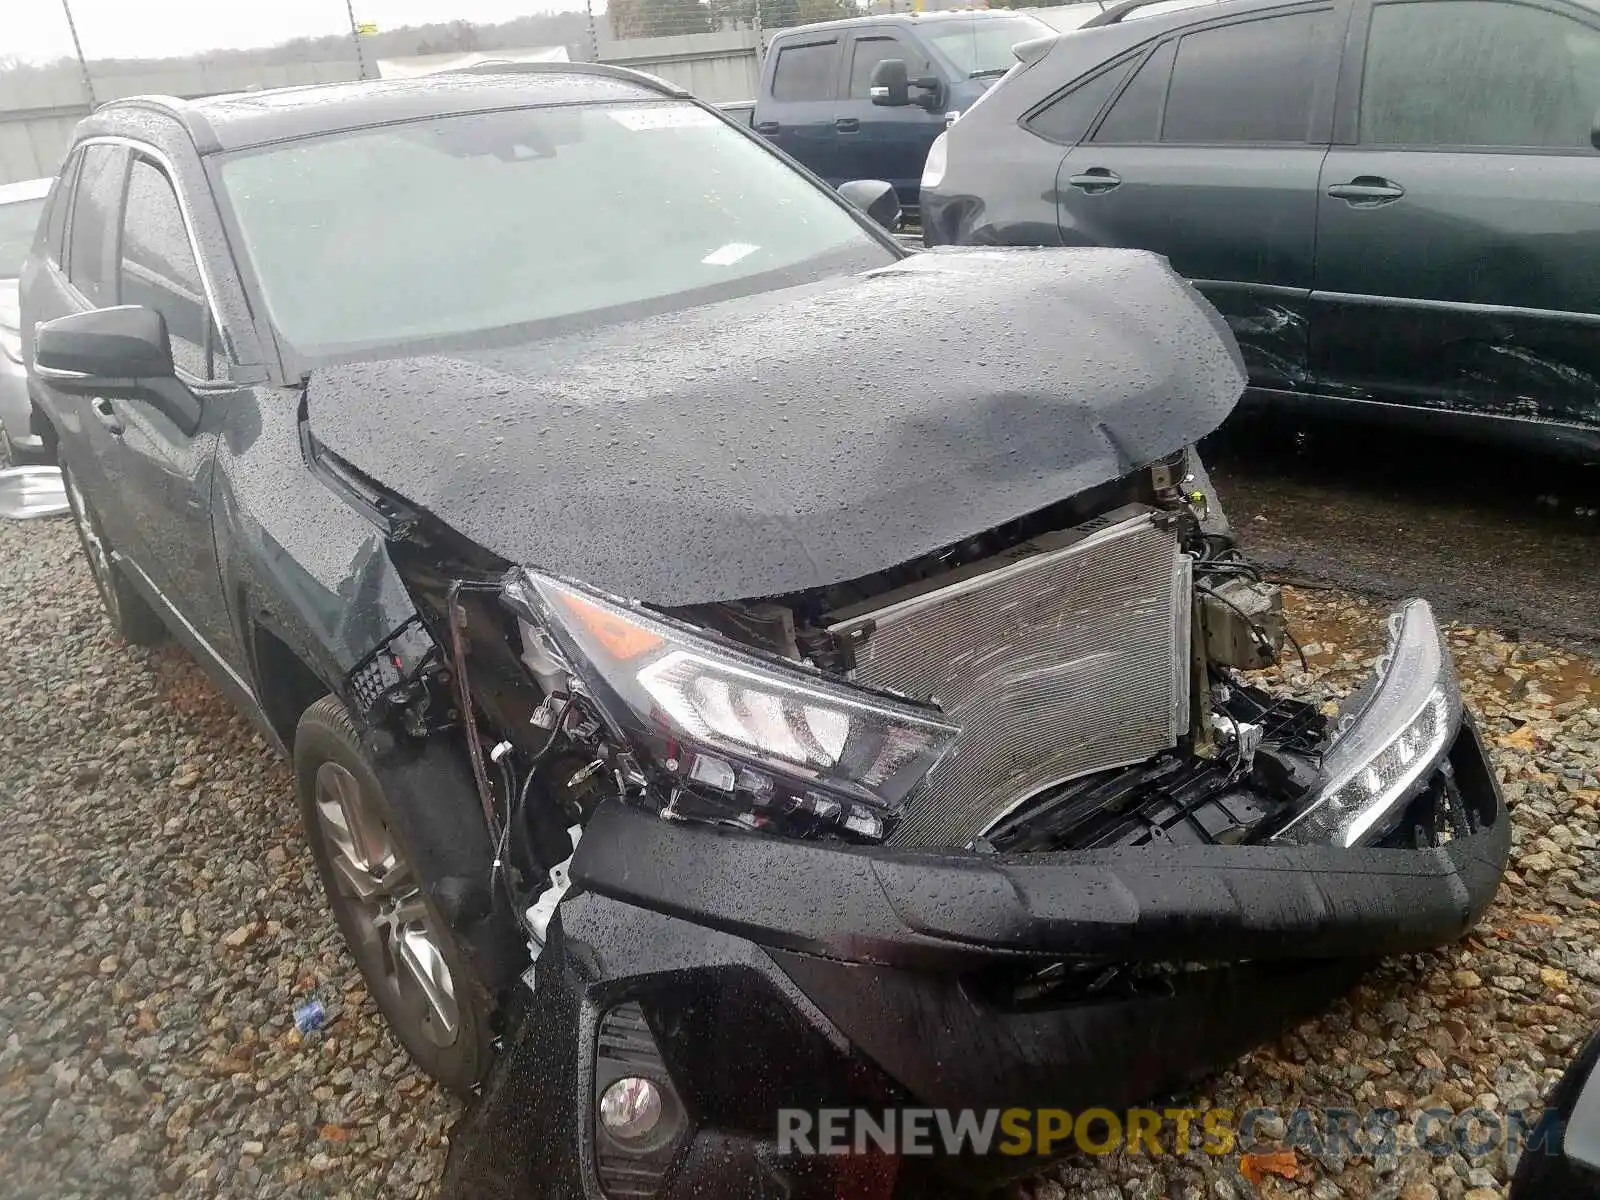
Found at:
(988, 71)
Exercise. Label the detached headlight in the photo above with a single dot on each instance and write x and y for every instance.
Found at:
(752, 730)
(1390, 737)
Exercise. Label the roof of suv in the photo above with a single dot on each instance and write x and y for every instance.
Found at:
(1173, 13)
(238, 120)
(905, 18)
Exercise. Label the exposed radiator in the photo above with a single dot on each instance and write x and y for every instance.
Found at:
(1070, 659)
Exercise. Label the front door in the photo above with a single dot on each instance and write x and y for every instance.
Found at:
(81, 274)
(1458, 235)
(165, 474)
(1209, 154)
(884, 142)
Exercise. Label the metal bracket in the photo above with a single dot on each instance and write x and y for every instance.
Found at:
(537, 919)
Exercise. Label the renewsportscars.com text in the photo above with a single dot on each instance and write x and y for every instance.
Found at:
(1215, 1131)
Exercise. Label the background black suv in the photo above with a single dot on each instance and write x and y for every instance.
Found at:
(1392, 202)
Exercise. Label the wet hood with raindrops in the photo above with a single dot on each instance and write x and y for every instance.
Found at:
(797, 438)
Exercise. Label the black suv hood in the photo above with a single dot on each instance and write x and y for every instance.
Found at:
(798, 438)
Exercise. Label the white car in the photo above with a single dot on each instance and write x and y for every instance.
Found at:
(20, 206)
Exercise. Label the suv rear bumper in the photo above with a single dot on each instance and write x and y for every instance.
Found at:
(776, 974)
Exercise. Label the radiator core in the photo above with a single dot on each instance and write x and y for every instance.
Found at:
(1066, 655)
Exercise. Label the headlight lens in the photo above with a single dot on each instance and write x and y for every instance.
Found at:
(1391, 735)
(933, 166)
(756, 731)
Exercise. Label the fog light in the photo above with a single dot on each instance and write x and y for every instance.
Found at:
(630, 1109)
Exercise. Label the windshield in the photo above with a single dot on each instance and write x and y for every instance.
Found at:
(18, 220)
(445, 230)
(981, 47)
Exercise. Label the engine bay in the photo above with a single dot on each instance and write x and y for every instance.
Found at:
(1173, 630)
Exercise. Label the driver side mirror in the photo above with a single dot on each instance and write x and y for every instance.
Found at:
(102, 346)
(119, 353)
(875, 198)
(890, 87)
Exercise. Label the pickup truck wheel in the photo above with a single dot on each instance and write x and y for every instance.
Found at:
(132, 619)
(412, 964)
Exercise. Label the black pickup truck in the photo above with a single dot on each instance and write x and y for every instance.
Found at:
(864, 98)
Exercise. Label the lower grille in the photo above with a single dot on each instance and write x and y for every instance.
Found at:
(1072, 659)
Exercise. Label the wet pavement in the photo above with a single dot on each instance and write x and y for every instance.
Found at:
(1490, 535)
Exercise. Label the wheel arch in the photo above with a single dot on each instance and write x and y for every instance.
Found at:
(430, 789)
(285, 684)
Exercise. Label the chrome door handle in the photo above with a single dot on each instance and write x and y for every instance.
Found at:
(1095, 180)
(1367, 191)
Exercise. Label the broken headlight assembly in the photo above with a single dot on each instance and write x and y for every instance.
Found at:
(756, 736)
(1389, 737)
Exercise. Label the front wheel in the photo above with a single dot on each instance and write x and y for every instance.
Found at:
(410, 959)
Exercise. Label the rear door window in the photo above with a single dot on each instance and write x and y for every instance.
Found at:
(1247, 82)
(1067, 118)
(1479, 73)
(92, 248)
(1136, 115)
(806, 72)
(159, 268)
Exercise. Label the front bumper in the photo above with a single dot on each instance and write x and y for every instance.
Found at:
(773, 974)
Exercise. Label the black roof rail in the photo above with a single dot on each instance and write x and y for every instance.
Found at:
(180, 108)
(1117, 12)
(169, 106)
(604, 70)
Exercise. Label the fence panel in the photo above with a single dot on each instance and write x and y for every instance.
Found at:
(712, 47)
(717, 67)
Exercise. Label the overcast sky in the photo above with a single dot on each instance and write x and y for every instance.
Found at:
(36, 30)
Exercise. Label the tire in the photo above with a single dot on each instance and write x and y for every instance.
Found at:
(131, 618)
(412, 963)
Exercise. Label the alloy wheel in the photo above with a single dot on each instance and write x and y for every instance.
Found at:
(380, 891)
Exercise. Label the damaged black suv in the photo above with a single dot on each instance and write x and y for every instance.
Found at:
(720, 679)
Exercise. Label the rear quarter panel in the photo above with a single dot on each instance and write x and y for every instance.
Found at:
(999, 186)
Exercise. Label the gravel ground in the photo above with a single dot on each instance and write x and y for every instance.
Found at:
(1499, 538)
(162, 918)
